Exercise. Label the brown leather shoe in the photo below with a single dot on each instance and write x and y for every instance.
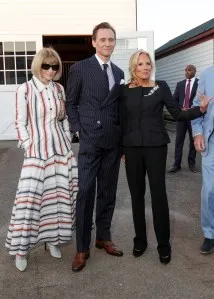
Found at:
(79, 261)
(109, 247)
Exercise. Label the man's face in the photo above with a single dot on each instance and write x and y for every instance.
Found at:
(190, 72)
(104, 43)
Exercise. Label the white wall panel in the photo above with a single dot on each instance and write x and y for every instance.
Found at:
(30, 20)
(65, 17)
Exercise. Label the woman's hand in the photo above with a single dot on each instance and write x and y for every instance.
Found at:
(204, 101)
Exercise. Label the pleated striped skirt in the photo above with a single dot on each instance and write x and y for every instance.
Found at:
(45, 205)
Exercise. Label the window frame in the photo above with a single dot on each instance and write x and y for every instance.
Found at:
(15, 55)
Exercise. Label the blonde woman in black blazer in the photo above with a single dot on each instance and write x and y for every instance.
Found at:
(144, 141)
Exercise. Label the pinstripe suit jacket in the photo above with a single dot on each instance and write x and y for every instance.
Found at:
(89, 110)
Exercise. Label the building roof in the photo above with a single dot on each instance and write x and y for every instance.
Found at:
(187, 35)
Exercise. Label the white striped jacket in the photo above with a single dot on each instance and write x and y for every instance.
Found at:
(39, 131)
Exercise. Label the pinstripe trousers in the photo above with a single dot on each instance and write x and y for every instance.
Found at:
(96, 167)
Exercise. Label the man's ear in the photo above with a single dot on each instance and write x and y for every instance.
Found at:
(94, 43)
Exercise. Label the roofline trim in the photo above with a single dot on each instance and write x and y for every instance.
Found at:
(204, 36)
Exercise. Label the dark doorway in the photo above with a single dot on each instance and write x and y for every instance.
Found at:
(70, 49)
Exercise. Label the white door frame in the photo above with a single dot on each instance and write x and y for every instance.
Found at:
(124, 50)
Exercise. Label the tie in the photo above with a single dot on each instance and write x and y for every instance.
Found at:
(187, 95)
(105, 66)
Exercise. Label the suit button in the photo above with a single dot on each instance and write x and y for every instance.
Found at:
(50, 108)
(98, 122)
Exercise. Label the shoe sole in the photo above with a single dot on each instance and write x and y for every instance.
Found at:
(21, 269)
(113, 254)
(207, 252)
(79, 269)
(174, 171)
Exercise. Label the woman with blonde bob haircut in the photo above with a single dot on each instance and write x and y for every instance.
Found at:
(45, 204)
(44, 55)
(144, 141)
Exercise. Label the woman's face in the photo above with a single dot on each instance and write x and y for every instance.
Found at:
(144, 67)
(48, 70)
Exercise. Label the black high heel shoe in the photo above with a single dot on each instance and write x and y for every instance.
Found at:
(138, 252)
(165, 259)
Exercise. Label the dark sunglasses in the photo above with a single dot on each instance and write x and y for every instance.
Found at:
(46, 66)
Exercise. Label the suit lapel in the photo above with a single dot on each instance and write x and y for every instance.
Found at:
(113, 92)
(115, 73)
(96, 71)
(183, 87)
(97, 74)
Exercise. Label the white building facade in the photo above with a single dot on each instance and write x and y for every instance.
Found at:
(27, 26)
(193, 47)
(171, 68)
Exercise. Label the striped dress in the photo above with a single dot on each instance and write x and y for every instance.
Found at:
(45, 203)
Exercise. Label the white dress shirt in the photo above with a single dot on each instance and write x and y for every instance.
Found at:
(192, 81)
(109, 71)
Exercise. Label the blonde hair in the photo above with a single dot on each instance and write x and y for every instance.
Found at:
(133, 63)
(46, 55)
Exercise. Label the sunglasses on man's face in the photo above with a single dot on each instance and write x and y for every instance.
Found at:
(46, 66)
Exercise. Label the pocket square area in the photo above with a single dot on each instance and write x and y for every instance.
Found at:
(122, 81)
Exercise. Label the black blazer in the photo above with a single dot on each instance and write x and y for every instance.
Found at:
(179, 93)
(142, 116)
(89, 110)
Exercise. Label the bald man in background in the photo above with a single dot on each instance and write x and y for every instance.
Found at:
(184, 94)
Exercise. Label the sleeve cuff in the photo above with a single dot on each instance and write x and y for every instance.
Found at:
(197, 134)
(24, 144)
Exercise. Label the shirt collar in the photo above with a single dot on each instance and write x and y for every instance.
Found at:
(192, 80)
(40, 86)
(101, 62)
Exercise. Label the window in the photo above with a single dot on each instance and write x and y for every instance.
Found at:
(15, 61)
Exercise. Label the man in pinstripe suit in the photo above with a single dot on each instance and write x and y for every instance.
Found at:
(92, 109)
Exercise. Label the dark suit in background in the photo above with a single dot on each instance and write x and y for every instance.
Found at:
(185, 99)
(93, 112)
(183, 127)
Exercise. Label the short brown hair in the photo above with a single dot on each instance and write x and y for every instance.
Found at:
(103, 25)
(47, 55)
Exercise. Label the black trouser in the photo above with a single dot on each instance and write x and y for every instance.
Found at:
(181, 129)
(96, 166)
(150, 160)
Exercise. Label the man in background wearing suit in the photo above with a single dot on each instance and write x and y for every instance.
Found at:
(184, 94)
(203, 133)
(92, 109)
